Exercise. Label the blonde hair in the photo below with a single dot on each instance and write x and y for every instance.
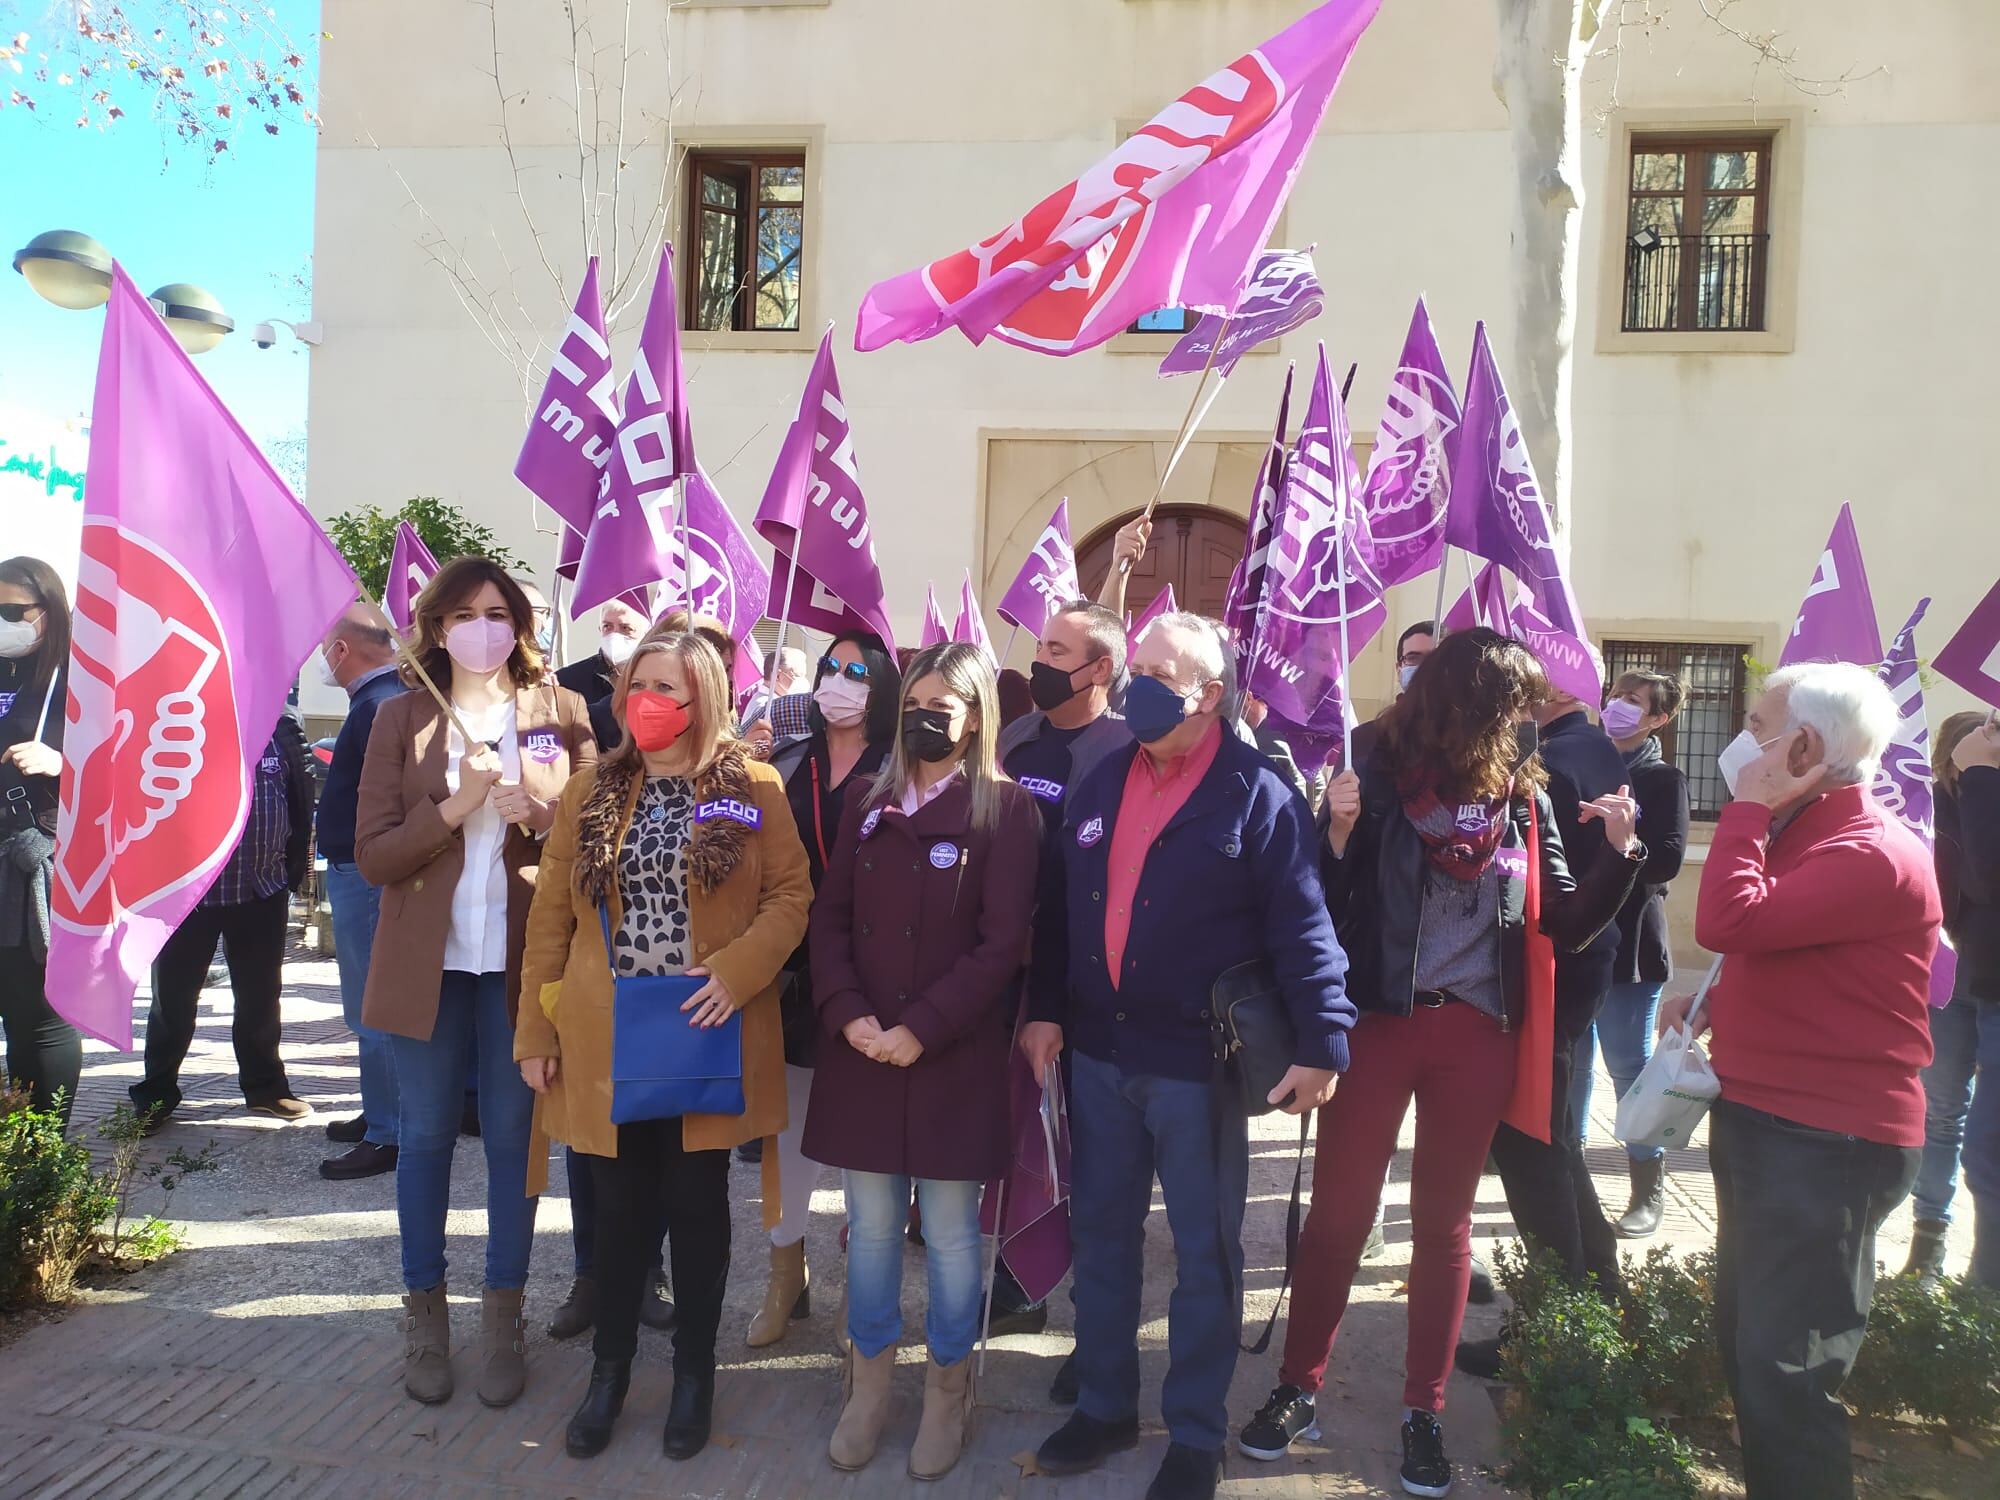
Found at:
(711, 715)
(1944, 771)
(967, 674)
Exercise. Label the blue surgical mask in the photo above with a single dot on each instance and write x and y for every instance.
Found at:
(1153, 710)
(1403, 676)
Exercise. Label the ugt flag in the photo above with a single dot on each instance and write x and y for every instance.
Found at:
(1903, 780)
(569, 438)
(1836, 619)
(816, 518)
(1572, 663)
(934, 631)
(1484, 603)
(1971, 658)
(1243, 603)
(1162, 604)
(724, 578)
(971, 626)
(1175, 217)
(1047, 579)
(1408, 489)
(411, 566)
(628, 542)
(202, 587)
(1284, 294)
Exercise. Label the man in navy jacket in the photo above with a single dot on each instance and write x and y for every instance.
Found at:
(1179, 858)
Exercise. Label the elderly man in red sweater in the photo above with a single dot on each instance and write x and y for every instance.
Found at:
(1826, 912)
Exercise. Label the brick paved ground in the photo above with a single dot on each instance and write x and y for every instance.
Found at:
(264, 1358)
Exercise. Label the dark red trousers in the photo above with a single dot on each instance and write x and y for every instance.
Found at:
(1459, 1067)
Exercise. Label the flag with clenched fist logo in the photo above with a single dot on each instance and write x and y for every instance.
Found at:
(202, 586)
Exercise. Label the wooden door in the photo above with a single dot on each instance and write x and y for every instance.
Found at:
(1194, 548)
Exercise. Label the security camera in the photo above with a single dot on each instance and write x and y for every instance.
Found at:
(264, 336)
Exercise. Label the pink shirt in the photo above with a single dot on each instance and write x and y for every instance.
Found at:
(1153, 794)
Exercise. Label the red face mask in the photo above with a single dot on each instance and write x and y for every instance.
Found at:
(655, 720)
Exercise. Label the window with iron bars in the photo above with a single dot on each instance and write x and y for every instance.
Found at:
(1715, 680)
(1697, 234)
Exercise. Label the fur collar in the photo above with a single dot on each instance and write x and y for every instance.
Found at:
(714, 850)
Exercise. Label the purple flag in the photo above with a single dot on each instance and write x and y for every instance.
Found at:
(727, 580)
(1485, 603)
(971, 626)
(1903, 780)
(816, 517)
(1837, 617)
(1031, 1214)
(1319, 575)
(1175, 217)
(1408, 491)
(1971, 658)
(1242, 605)
(570, 436)
(1572, 663)
(202, 586)
(629, 542)
(1047, 578)
(935, 631)
(571, 556)
(411, 566)
(1496, 509)
(1284, 293)
(1135, 630)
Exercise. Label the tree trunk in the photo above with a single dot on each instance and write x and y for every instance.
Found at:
(1537, 69)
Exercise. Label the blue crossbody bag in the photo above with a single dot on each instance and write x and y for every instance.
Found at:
(662, 1065)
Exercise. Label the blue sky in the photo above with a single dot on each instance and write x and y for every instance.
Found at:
(239, 225)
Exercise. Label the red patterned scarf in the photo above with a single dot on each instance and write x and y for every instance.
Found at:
(1460, 837)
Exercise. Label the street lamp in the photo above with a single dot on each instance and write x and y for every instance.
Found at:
(73, 271)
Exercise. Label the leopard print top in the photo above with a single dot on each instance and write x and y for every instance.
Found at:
(652, 880)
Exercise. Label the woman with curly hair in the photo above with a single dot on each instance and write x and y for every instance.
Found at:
(682, 850)
(1429, 878)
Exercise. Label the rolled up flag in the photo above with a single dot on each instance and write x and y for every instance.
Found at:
(1245, 596)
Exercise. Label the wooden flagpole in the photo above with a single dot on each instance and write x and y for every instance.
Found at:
(1189, 423)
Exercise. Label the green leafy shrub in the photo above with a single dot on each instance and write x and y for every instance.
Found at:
(122, 1241)
(1930, 1351)
(1669, 1316)
(51, 1203)
(366, 536)
(1625, 1484)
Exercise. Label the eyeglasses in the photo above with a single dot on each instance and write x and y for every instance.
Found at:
(14, 614)
(853, 671)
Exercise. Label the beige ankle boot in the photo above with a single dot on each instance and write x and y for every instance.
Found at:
(427, 1346)
(948, 1398)
(787, 1299)
(864, 1388)
(503, 1346)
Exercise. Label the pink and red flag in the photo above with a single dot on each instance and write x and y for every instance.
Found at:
(971, 626)
(1284, 294)
(935, 631)
(1047, 578)
(816, 517)
(1836, 620)
(1407, 494)
(570, 437)
(202, 587)
(411, 566)
(628, 542)
(1175, 217)
(1903, 780)
(1971, 658)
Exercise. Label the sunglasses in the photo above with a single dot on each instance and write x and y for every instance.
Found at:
(853, 671)
(14, 614)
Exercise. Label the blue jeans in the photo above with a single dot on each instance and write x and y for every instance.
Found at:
(878, 1208)
(1624, 1030)
(1982, 1142)
(472, 1013)
(1125, 1127)
(1947, 1098)
(356, 904)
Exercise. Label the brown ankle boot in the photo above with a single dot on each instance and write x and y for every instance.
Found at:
(947, 1414)
(788, 1297)
(503, 1346)
(427, 1346)
(864, 1409)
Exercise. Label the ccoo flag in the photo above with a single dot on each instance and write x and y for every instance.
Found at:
(202, 587)
(1047, 579)
(971, 626)
(1408, 491)
(1971, 658)
(628, 543)
(1243, 603)
(1903, 779)
(816, 518)
(935, 631)
(569, 439)
(1836, 620)
(1175, 217)
(411, 566)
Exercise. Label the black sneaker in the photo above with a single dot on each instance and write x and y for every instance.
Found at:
(368, 1159)
(1479, 1358)
(1479, 1290)
(1186, 1474)
(751, 1153)
(1279, 1423)
(350, 1132)
(1082, 1443)
(1426, 1471)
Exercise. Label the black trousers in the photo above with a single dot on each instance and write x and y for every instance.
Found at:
(1796, 1215)
(253, 942)
(1549, 1190)
(583, 1216)
(652, 1177)
(44, 1051)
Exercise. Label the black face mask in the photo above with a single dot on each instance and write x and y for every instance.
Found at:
(1527, 740)
(927, 734)
(1050, 686)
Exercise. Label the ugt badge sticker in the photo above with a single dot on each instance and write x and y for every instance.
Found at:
(1090, 833)
(868, 823)
(544, 746)
(944, 854)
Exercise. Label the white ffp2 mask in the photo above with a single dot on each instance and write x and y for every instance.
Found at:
(1738, 754)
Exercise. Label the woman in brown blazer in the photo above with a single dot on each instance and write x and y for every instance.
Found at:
(687, 847)
(918, 941)
(452, 833)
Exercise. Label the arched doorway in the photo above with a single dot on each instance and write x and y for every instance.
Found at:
(1195, 548)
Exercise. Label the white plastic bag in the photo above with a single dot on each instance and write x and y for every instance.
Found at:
(1675, 1088)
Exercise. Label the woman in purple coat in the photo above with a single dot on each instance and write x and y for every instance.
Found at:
(919, 936)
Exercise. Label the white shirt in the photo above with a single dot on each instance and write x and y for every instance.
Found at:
(915, 801)
(477, 940)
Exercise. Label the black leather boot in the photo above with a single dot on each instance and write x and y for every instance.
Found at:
(590, 1429)
(1649, 1200)
(688, 1415)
